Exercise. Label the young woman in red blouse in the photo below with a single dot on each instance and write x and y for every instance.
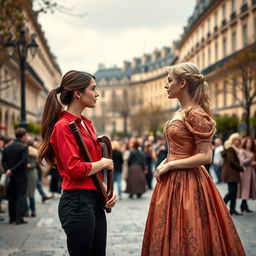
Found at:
(80, 210)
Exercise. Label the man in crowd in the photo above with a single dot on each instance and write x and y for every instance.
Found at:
(14, 161)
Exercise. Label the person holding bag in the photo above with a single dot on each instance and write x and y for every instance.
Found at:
(81, 212)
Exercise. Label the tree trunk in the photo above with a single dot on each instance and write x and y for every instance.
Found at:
(125, 126)
(247, 120)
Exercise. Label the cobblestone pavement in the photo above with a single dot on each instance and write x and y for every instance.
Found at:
(43, 236)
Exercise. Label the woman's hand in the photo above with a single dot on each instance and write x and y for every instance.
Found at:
(161, 169)
(111, 202)
(108, 163)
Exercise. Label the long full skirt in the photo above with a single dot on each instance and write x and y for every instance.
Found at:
(188, 217)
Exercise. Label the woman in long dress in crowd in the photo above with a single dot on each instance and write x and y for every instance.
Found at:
(247, 186)
(136, 183)
(187, 215)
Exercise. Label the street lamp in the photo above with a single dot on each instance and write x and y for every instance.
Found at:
(22, 46)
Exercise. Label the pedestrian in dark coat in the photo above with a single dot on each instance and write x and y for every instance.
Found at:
(15, 159)
(136, 183)
(231, 169)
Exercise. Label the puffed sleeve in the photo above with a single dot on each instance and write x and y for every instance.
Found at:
(202, 127)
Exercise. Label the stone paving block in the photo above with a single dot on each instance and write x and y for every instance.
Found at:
(43, 235)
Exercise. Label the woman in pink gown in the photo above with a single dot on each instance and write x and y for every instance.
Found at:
(187, 215)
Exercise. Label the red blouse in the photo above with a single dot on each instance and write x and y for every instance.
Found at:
(73, 170)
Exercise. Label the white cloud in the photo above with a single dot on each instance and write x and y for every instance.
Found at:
(109, 35)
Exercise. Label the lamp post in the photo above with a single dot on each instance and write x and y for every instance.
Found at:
(21, 46)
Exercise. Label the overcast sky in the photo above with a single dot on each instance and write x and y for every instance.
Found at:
(113, 30)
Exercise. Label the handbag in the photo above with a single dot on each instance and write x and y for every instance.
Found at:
(5, 180)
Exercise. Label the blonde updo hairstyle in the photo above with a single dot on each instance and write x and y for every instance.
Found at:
(196, 83)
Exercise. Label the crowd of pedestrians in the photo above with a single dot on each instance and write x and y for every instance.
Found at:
(135, 161)
(20, 176)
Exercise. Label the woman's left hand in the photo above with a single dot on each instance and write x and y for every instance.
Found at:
(161, 169)
(111, 202)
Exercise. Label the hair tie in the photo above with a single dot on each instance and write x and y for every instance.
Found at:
(58, 90)
(200, 77)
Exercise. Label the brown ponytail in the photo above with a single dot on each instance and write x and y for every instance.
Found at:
(71, 81)
(51, 115)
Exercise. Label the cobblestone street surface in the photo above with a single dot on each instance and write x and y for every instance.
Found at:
(43, 236)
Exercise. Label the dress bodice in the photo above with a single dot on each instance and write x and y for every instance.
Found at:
(190, 135)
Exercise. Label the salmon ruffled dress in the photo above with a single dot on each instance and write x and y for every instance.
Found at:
(187, 215)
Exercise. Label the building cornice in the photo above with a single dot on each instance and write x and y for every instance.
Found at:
(221, 62)
(33, 18)
(149, 79)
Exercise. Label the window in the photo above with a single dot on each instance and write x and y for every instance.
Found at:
(233, 6)
(14, 90)
(244, 2)
(233, 41)
(224, 47)
(225, 94)
(102, 94)
(216, 51)
(216, 96)
(209, 25)
(245, 35)
(216, 18)
(223, 11)
(234, 84)
(209, 55)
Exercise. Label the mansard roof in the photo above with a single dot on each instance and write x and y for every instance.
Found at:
(146, 63)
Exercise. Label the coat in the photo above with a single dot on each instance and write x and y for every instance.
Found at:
(247, 186)
(231, 166)
(15, 157)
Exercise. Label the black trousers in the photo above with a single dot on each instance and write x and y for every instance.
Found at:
(16, 192)
(83, 219)
(231, 195)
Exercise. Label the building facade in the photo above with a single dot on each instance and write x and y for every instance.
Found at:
(125, 91)
(42, 74)
(217, 31)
